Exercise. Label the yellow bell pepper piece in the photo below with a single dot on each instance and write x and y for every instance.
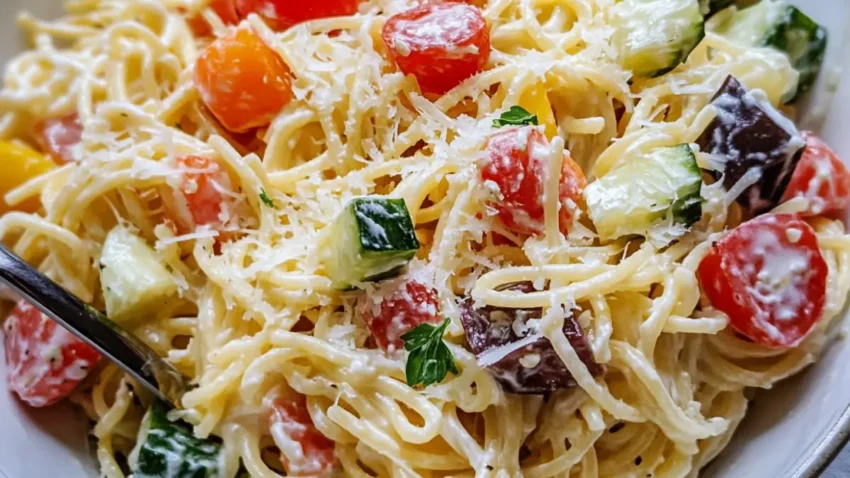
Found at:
(20, 163)
(536, 102)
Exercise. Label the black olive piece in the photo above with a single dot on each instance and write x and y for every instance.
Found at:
(746, 134)
(541, 371)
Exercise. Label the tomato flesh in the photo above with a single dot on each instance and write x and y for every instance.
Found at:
(58, 136)
(399, 312)
(282, 14)
(441, 44)
(226, 11)
(769, 277)
(243, 82)
(44, 361)
(516, 165)
(304, 450)
(820, 177)
(199, 200)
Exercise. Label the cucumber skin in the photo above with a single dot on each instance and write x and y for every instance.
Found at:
(807, 62)
(381, 251)
(687, 209)
(396, 223)
(714, 6)
(792, 32)
(681, 54)
(199, 458)
(607, 196)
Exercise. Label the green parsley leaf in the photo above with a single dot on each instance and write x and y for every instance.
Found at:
(516, 116)
(430, 359)
(266, 199)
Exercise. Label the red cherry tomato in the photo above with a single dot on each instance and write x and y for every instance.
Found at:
(199, 201)
(769, 277)
(517, 165)
(44, 361)
(226, 11)
(58, 136)
(304, 450)
(396, 314)
(243, 82)
(821, 178)
(282, 14)
(441, 44)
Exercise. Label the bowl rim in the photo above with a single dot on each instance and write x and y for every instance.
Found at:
(827, 450)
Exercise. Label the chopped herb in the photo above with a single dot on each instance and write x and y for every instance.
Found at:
(430, 359)
(516, 116)
(266, 199)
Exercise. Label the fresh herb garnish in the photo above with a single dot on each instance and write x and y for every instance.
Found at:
(266, 199)
(430, 358)
(516, 116)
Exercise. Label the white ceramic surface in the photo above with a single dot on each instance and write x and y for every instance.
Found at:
(791, 431)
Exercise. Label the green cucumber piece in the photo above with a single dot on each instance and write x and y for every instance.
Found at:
(169, 449)
(134, 282)
(773, 23)
(647, 192)
(372, 239)
(655, 36)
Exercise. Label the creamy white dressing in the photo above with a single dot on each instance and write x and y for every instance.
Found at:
(780, 287)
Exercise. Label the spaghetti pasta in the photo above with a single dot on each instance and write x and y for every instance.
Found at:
(257, 317)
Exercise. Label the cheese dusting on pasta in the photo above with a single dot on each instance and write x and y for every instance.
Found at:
(253, 315)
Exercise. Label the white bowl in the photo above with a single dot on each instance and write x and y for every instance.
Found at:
(791, 431)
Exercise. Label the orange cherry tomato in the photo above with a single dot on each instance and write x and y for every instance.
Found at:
(441, 44)
(58, 136)
(282, 14)
(820, 177)
(226, 11)
(517, 165)
(243, 82)
(304, 450)
(769, 277)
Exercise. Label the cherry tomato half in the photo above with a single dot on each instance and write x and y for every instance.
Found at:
(516, 166)
(821, 178)
(58, 136)
(769, 277)
(441, 44)
(199, 201)
(304, 450)
(44, 361)
(282, 14)
(392, 316)
(243, 82)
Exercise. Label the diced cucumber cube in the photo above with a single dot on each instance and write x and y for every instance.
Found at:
(372, 239)
(135, 283)
(784, 27)
(655, 36)
(167, 449)
(656, 189)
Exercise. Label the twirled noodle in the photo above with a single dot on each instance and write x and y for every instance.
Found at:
(675, 385)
